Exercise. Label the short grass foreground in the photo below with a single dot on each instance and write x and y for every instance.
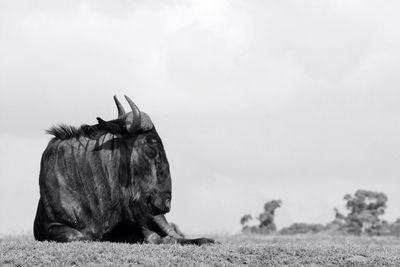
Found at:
(251, 250)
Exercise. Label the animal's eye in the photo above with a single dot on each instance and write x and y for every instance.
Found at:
(150, 151)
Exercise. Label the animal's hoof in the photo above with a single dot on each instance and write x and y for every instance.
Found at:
(153, 239)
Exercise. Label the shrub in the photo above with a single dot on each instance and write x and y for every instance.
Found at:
(302, 228)
(394, 228)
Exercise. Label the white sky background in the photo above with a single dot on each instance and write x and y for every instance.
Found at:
(254, 100)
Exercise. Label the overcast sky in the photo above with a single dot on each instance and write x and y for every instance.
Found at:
(254, 100)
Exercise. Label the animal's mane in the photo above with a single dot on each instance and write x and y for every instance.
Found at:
(64, 132)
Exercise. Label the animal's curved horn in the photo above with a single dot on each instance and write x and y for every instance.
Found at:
(121, 110)
(133, 120)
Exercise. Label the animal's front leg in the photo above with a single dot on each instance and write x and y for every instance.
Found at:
(161, 225)
(171, 236)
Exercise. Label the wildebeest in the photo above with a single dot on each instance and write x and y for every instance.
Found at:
(106, 182)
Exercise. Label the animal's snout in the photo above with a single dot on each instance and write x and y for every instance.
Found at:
(161, 205)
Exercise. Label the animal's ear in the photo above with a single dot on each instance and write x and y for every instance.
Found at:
(114, 127)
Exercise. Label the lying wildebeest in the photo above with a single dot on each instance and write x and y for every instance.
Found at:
(106, 182)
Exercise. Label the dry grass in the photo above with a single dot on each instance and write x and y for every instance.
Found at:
(253, 250)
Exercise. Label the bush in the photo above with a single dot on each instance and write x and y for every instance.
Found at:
(302, 228)
(394, 228)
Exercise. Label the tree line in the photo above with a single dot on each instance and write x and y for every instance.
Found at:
(364, 216)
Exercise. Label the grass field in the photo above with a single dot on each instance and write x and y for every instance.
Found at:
(251, 250)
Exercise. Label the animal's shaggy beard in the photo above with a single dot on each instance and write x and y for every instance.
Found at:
(135, 205)
(140, 211)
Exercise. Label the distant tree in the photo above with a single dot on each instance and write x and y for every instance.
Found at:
(266, 219)
(245, 219)
(365, 211)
